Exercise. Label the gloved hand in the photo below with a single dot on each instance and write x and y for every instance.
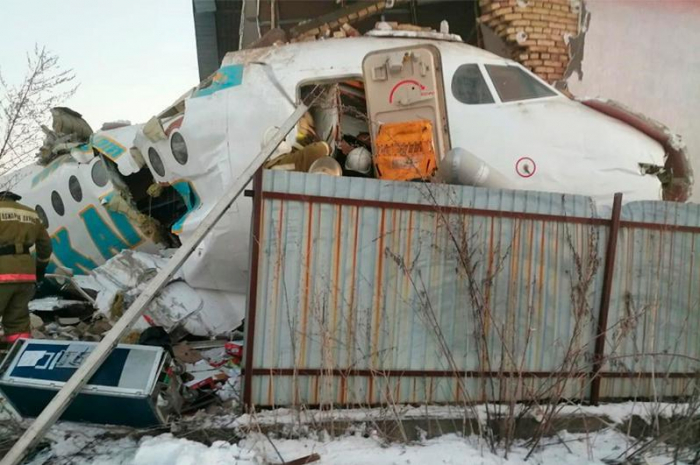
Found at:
(40, 273)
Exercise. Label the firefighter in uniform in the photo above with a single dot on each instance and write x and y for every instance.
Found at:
(20, 229)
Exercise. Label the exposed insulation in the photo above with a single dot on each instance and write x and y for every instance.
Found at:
(537, 31)
(148, 226)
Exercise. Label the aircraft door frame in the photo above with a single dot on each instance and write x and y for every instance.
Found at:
(404, 84)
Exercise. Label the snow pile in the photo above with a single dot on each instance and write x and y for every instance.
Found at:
(168, 450)
(78, 444)
(616, 413)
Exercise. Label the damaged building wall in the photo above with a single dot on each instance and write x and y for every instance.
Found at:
(644, 54)
(534, 33)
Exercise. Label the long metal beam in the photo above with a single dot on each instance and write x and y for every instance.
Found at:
(63, 398)
(608, 275)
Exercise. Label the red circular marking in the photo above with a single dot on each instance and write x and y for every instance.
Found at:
(522, 163)
(399, 84)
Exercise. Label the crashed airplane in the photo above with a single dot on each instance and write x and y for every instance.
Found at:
(491, 122)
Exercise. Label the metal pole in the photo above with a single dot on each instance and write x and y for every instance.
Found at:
(273, 19)
(609, 271)
(249, 345)
(63, 398)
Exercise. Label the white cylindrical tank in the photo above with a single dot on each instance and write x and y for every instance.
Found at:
(462, 167)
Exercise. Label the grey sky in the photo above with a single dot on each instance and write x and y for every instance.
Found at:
(132, 58)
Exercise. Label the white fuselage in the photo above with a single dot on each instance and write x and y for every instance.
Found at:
(574, 149)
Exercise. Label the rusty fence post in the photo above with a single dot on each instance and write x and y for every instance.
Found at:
(249, 344)
(608, 274)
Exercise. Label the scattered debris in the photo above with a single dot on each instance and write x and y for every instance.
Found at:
(134, 387)
(303, 460)
(69, 131)
(122, 278)
(325, 26)
(184, 353)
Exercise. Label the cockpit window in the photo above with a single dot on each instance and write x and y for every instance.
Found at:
(513, 83)
(469, 86)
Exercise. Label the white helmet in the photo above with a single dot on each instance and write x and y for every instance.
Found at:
(360, 160)
(281, 149)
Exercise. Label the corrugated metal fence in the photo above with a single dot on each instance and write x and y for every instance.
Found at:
(367, 292)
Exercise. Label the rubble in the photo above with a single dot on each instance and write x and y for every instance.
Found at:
(122, 278)
(326, 26)
(69, 132)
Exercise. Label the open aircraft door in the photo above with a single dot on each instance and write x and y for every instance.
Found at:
(406, 110)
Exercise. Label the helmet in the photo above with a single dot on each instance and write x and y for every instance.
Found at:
(9, 195)
(281, 149)
(326, 165)
(360, 160)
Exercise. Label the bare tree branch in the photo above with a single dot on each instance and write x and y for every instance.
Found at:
(26, 106)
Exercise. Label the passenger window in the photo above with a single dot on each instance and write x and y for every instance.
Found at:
(57, 203)
(75, 190)
(99, 173)
(513, 83)
(42, 215)
(469, 86)
(179, 148)
(156, 162)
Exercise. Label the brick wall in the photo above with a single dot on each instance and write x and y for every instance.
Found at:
(536, 31)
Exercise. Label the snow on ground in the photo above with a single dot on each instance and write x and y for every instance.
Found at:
(571, 449)
(80, 444)
(449, 449)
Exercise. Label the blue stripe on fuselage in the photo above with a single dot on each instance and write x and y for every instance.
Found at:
(225, 77)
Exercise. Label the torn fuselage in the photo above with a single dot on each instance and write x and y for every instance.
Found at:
(164, 177)
(100, 199)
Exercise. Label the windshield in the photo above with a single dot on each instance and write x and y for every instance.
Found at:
(513, 83)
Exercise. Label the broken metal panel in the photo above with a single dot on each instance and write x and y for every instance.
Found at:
(200, 312)
(677, 174)
(577, 45)
(115, 144)
(69, 132)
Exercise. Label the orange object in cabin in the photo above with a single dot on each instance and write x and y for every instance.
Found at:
(405, 151)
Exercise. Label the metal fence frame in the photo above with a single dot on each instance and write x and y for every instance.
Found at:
(595, 376)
